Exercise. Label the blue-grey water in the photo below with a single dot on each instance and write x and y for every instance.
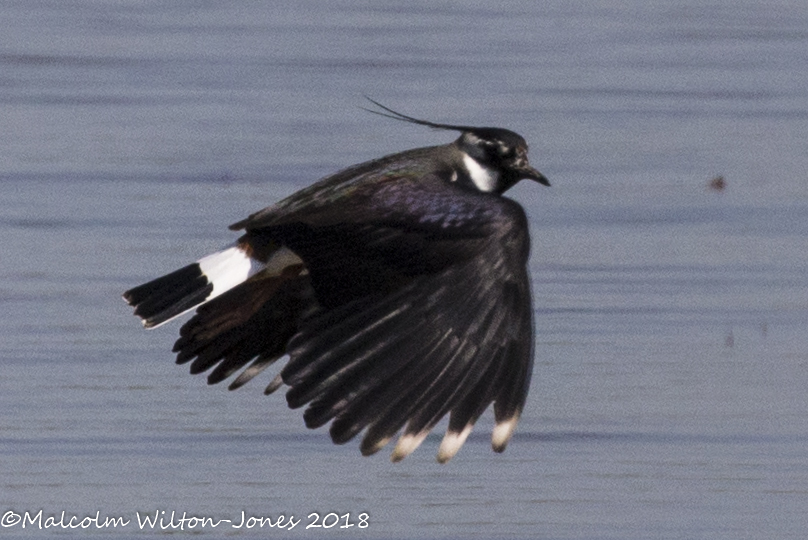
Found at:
(669, 393)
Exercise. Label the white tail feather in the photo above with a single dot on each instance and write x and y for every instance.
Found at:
(224, 269)
(227, 268)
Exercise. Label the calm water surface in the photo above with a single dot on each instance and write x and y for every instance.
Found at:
(669, 394)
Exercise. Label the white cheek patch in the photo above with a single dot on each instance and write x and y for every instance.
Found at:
(485, 179)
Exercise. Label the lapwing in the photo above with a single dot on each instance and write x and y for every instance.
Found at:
(398, 289)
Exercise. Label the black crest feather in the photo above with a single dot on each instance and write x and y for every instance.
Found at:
(387, 112)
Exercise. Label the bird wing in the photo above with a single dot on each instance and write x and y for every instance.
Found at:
(426, 308)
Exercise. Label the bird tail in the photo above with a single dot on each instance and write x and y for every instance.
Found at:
(168, 297)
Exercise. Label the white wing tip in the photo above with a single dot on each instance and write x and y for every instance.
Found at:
(502, 433)
(407, 444)
(451, 443)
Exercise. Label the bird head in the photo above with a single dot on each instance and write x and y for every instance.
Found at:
(500, 150)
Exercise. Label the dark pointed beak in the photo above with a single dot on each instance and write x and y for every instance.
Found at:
(529, 173)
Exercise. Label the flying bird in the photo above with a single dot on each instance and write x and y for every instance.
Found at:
(397, 288)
